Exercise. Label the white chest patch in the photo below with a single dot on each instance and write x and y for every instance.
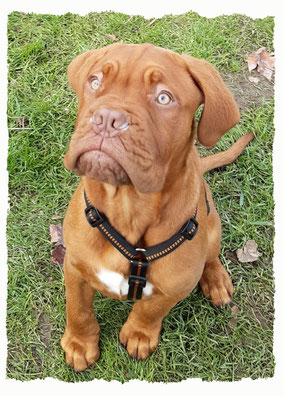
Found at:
(117, 284)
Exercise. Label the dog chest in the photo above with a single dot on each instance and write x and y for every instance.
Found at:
(117, 284)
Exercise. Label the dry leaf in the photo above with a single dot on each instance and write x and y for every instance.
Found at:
(235, 310)
(254, 79)
(249, 252)
(263, 62)
(57, 255)
(111, 37)
(22, 122)
(252, 60)
(56, 234)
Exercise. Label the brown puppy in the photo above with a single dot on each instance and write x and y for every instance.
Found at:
(133, 145)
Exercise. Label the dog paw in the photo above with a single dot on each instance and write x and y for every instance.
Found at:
(216, 284)
(139, 341)
(80, 352)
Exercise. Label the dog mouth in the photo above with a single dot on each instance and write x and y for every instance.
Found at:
(96, 164)
(117, 160)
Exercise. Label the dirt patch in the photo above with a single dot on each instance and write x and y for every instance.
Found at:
(45, 329)
(246, 93)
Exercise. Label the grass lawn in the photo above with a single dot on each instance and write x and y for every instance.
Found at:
(197, 340)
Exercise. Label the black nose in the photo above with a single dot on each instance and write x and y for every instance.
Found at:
(110, 122)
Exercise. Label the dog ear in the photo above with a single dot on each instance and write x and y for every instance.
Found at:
(220, 112)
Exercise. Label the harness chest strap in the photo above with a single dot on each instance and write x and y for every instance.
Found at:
(140, 258)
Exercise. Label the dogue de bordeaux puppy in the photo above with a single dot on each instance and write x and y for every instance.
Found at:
(141, 224)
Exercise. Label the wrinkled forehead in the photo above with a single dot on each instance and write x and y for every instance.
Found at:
(136, 52)
(146, 60)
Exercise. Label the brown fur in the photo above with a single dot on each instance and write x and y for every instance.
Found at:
(148, 189)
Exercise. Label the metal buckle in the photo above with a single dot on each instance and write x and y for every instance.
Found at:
(137, 257)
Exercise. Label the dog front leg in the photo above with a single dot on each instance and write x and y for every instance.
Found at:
(140, 333)
(81, 337)
(216, 283)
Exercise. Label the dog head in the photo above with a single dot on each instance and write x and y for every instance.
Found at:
(136, 113)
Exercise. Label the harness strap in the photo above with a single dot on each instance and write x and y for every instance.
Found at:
(140, 258)
(99, 220)
(207, 202)
(137, 278)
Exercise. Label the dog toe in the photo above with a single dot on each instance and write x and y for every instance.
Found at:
(216, 284)
(139, 343)
(79, 354)
(138, 346)
(220, 296)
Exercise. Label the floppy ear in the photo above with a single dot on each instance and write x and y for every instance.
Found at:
(220, 112)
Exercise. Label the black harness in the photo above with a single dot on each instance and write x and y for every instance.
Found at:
(140, 258)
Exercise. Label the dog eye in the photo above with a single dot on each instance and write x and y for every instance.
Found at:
(95, 83)
(164, 98)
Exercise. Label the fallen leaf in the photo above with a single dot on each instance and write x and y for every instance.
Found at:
(235, 310)
(57, 255)
(56, 234)
(254, 79)
(252, 61)
(248, 253)
(263, 62)
(111, 37)
(22, 122)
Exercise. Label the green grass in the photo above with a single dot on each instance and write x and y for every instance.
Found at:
(195, 340)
